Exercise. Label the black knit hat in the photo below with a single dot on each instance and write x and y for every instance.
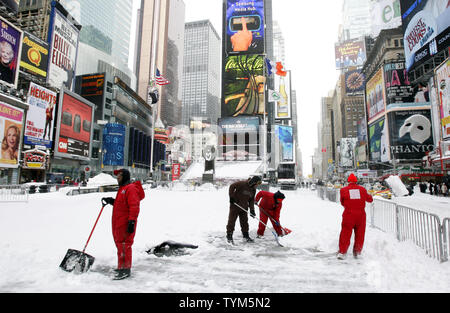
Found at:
(279, 195)
(126, 176)
(254, 180)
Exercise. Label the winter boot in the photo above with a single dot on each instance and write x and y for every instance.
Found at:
(247, 237)
(122, 274)
(340, 256)
(230, 238)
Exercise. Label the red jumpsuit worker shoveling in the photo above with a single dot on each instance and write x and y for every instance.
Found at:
(270, 207)
(124, 219)
(353, 199)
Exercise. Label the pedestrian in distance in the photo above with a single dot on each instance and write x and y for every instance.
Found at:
(270, 205)
(126, 207)
(353, 199)
(242, 197)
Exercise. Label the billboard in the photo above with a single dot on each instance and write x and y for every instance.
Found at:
(74, 132)
(354, 82)
(40, 116)
(283, 107)
(240, 138)
(350, 53)
(410, 134)
(378, 141)
(385, 14)
(285, 138)
(63, 39)
(375, 95)
(347, 148)
(114, 144)
(425, 28)
(245, 26)
(11, 125)
(35, 54)
(10, 52)
(244, 86)
(398, 87)
(442, 76)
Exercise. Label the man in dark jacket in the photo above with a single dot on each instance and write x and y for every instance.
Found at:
(353, 199)
(242, 193)
(126, 208)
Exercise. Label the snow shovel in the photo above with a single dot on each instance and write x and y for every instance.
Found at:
(79, 261)
(273, 231)
(286, 231)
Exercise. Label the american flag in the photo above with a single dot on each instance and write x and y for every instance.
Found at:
(161, 81)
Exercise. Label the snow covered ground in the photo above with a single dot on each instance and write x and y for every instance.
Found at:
(36, 235)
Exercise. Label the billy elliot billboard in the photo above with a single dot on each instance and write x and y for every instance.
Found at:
(63, 38)
(244, 24)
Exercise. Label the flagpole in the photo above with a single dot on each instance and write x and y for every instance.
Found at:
(155, 36)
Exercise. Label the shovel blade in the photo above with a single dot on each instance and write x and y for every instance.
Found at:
(76, 261)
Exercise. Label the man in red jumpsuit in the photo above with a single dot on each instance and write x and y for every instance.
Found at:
(126, 208)
(353, 199)
(271, 203)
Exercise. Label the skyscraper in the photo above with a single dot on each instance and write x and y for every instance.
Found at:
(356, 19)
(160, 46)
(201, 73)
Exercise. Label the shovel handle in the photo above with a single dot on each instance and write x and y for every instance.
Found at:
(92, 231)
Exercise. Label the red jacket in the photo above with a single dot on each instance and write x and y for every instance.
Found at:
(126, 204)
(268, 202)
(354, 198)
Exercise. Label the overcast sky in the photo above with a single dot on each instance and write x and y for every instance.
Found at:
(310, 30)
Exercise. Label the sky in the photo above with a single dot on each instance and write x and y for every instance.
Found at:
(310, 30)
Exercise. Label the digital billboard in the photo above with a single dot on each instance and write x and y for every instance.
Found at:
(245, 26)
(35, 54)
(114, 144)
(40, 116)
(410, 134)
(285, 139)
(375, 95)
(385, 14)
(63, 39)
(442, 76)
(10, 52)
(244, 86)
(75, 126)
(378, 141)
(350, 53)
(283, 107)
(425, 28)
(11, 127)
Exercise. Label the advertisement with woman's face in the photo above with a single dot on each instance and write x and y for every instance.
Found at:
(11, 125)
(10, 50)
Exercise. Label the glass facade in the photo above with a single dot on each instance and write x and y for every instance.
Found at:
(106, 24)
(201, 73)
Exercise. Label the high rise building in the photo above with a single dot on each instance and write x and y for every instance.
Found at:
(160, 41)
(201, 73)
(104, 38)
(356, 19)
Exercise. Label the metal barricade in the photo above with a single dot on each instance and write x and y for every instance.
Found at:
(408, 224)
(383, 215)
(13, 193)
(446, 238)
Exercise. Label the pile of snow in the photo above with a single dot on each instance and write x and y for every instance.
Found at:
(397, 186)
(102, 179)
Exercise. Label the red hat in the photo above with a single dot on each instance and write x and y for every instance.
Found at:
(352, 178)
